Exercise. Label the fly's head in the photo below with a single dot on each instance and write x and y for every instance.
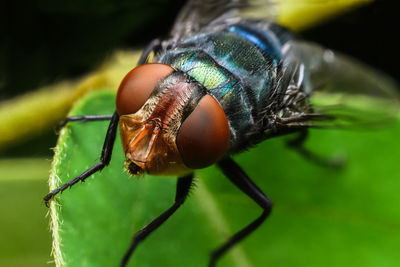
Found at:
(168, 123)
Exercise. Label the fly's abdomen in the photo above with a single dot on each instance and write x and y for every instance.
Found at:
(238, 67)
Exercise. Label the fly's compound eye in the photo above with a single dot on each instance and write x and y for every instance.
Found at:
(204, 136)
(137, 86)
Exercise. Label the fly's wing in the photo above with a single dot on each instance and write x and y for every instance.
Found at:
(199, 13)
(343, 91)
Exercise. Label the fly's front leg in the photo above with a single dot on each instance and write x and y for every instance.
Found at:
(298, 144)
(154, 46)
(84, 118)
(182, 190)
(105, 159)
(239, 178)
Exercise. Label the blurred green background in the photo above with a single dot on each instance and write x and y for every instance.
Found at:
(42, 42)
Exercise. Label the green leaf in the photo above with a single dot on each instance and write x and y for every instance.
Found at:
(321, 217)
(24, 236)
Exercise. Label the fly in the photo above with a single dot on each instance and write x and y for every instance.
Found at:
(220, 84)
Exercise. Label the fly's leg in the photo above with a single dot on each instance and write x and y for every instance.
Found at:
(182, 190)
(298, 144)
(154, 45)
(105, 159)
(239, 178)
(84, 118)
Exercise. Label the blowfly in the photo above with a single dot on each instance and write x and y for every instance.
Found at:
(223, 82)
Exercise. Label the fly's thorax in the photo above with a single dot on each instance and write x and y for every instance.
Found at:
(239, 66)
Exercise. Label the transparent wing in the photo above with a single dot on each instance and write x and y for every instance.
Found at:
(198, 13)
(343, 90)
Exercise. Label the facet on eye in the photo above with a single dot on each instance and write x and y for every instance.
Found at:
(137, 86)
(204, 136)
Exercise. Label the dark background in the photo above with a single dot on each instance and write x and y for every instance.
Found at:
(46, 41)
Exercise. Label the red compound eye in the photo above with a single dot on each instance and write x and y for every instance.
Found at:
(137, 86)
(204, 136)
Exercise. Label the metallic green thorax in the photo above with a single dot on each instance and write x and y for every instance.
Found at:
(237, 66)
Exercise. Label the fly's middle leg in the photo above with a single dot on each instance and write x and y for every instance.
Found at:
(182, 191)
(298, 145)
(240, 179)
